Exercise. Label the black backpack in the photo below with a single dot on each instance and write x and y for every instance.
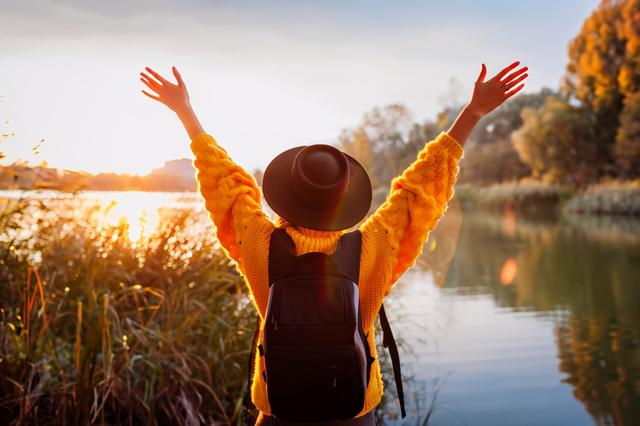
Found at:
(317, 359)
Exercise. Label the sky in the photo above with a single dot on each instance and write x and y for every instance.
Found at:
(263, 76)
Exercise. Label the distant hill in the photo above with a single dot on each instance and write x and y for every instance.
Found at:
(175, 175)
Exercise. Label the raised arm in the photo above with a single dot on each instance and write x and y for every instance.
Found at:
(419, 196)
(231, 195)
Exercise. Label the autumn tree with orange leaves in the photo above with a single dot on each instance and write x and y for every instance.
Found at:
(603, 74)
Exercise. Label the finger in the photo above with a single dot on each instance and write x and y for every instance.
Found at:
(515, 82)
(506, 70)
(156, 75)
(482, 75)
(514, 91)
(151, 79)
(155, 98)
(151, 85)
(178, 77)
(510, 77)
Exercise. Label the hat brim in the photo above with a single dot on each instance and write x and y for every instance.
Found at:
(348, 211)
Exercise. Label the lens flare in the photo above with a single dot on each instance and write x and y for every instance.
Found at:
(508, 272)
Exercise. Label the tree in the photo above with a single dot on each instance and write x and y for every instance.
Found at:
(357, 143)
(629, 75)
(627, 148)
(604, 68)
(490, 157)
(500, 123)
(380, 142)
(488, 163)
(596, 56)
(554, 142)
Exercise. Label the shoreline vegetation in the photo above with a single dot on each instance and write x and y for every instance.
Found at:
(528, 197)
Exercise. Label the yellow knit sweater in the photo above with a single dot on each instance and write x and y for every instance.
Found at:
(392, 237)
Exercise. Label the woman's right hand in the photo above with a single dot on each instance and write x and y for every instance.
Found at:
(174, 96)
(490, 94)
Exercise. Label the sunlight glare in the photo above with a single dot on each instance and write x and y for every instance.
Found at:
(136, 210)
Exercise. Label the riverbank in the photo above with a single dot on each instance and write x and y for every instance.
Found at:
(533, 197)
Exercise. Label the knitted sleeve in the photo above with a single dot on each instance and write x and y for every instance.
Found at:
(418, 198)
(231, 195)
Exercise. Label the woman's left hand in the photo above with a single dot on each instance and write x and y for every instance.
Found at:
(490, 94)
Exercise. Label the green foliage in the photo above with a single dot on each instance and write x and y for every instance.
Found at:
(556, 142)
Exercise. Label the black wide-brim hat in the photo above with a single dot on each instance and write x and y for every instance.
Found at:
(318, 187)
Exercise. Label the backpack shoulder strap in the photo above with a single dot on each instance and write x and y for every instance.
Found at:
(389, 342)
(347, 255)
(282, 254)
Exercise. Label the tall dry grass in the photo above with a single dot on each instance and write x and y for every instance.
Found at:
(95, 328)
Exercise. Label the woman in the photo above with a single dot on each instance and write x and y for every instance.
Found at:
(392, 237)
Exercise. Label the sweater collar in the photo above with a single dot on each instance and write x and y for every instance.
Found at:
(311, 240)
(315, 234)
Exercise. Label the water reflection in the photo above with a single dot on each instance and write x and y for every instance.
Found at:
(582, 273)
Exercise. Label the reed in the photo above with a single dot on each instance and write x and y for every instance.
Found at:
(95, 328)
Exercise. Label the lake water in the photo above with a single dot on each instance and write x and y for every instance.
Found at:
(533, 322)
(504, 320)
